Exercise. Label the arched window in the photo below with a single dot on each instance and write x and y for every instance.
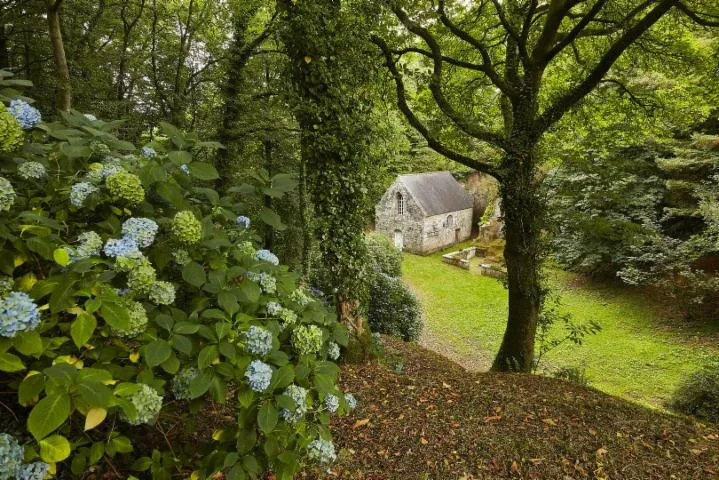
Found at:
(400, 204)
(450, 221)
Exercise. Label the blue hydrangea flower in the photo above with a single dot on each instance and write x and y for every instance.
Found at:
(90, 117)
(7, 194)
(274, 309)
(321, 451)
(141, 230)
(333, 351)
(18, 313)
(351, 401)
(332, 403)
(148, 152)
(258, 341)
(243, 221)
(299, 396)
(181, 383)
(34, 471)
(267, 256)
(184, 168)
(123, 247)
(31, 170)
(26, 115)
(80, 191)
(258, 375)
(11, 456)
(315, 291)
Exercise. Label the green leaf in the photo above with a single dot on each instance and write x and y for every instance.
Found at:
(48, 414)
(178, 157)
(283, 376)
(194, 274)
(30, 388)
(61, 257)
(10, 363)
(182, 344)
(249, 291)
(61, 296)
(186, 328)
(28, 343)
(207, 356)
(156, 352)
(82, 329)
(141, 464)
(271, 219)
(237, 473)
(203, 171)
(121, 444)
(228, 302)
(96, 452)
(324, 383)
(340, 335)
(267, 418)
(115, 315)
(54, 449)
(200, 384)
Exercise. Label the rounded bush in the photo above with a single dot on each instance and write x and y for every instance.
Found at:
(394, 309)
(383, 255)
(698, 395)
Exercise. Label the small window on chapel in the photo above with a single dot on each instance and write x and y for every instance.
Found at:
(400, 204)
(450, 222)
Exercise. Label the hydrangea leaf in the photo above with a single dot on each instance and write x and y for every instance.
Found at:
(48, 414)
(267, 417)
(203, 171)
(156, 352)
(82, 329)
(10, 363)
(55, 448)
(94, 417)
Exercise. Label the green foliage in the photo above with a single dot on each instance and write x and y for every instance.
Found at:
(383, 255)
(698, 395)
(108, 343)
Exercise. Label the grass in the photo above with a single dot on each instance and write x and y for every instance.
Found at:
(638, 354)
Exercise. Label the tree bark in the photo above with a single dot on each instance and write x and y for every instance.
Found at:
(4, 56)
(63, 96)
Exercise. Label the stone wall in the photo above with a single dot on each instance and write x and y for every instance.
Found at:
(388, 220)
(439, 234)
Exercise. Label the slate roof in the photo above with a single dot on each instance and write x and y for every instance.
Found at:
(437, 192)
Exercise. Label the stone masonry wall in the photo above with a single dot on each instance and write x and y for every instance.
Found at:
(437, 234)
(387, 219)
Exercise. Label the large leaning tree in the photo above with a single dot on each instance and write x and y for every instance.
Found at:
(332, 103)
(504, 73)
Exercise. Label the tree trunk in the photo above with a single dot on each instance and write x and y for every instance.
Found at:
(304, 220)
(63, 97)
(4, 55)
(522, 209)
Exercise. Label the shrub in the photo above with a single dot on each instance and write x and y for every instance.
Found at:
(394, 309)
(143, 274)
(384, 256)
(698, 395)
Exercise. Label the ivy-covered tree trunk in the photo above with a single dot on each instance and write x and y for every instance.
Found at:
(522, 209)
(329, 76)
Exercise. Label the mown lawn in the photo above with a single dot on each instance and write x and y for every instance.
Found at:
(638, 354)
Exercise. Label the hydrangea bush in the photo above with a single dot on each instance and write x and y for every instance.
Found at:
(129, 291)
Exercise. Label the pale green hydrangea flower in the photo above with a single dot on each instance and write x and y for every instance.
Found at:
(307, 339)
(125, 186)
(186, 228)
(138, 321)
(148, 404)
(31, 170)
(7, 195)
(162, 293)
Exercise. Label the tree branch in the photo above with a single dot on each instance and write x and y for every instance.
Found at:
(698, 17)
(568, 100)
(574, 32)
(467, 125)
(433, 142)
(450, 60)
(489, 70)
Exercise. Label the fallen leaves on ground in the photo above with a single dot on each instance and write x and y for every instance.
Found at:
(437, 421)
